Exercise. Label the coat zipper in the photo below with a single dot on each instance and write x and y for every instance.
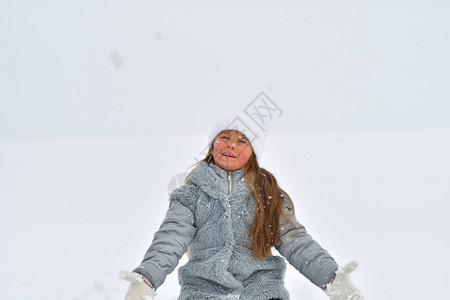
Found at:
(229, 182)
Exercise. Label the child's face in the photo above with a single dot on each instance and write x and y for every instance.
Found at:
(234, 143)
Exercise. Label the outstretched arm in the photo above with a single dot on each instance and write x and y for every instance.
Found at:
(307, 256)
(169, 243)
(303, 252)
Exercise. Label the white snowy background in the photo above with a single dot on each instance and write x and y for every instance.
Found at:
(102, 103)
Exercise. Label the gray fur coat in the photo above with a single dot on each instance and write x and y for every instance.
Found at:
(211, 216)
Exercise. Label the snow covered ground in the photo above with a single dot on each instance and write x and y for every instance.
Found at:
(75, 212)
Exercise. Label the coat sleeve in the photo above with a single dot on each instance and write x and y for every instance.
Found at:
(302, 251)
(172, 238)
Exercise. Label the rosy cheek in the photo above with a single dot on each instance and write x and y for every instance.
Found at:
(247, 153)
(218, 145)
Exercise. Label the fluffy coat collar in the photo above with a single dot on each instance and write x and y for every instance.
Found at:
(214, 181)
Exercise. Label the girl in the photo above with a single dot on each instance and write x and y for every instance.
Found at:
(228, 215)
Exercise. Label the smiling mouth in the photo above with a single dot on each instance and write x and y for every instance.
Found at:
(228, 155)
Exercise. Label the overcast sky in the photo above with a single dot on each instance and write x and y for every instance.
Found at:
(113, 68)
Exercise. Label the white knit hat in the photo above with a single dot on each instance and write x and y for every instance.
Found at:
(255, 127)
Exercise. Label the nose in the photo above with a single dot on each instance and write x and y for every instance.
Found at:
(231, 144)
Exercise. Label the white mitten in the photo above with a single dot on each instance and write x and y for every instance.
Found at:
(342, 288)
(140, 288)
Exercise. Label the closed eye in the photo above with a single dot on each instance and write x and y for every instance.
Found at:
(241, 141)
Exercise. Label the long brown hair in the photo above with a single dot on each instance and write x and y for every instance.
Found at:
(269, 200)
